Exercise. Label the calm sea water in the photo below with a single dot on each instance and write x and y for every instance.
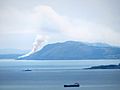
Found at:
(53, 74)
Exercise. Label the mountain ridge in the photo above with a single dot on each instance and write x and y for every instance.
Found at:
(71, 50)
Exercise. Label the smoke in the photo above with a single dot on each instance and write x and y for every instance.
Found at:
(36, 44)
(75, 28)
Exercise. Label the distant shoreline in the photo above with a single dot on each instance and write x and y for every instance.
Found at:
(111, 66)
(14, 56)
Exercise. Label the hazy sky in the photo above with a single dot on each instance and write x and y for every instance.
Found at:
(58, 20)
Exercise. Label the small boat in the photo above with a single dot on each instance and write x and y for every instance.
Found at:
(27, 70)
(73, 85)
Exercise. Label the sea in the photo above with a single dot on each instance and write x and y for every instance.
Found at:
(54, 74)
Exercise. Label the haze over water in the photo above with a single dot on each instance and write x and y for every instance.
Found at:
(32, 24)
(53, 74)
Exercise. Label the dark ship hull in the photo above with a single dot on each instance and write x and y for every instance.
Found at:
(74, 85)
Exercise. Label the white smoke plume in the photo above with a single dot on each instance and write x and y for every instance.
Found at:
(37, 43)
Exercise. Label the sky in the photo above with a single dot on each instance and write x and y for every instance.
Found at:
(58, 21)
